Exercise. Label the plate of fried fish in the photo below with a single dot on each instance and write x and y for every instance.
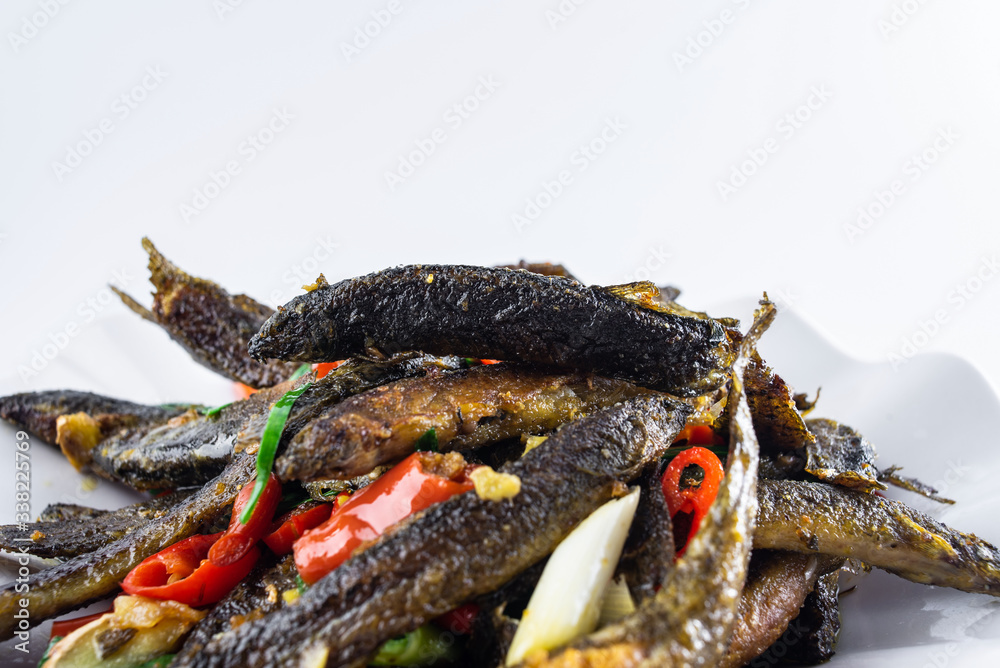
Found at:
(504, 466)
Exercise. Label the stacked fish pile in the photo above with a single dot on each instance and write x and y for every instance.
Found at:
(488, 466)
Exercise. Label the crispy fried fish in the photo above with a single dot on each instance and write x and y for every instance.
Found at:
(459, 549)
(73, 536)
(211, 324)
(193, 448)
(39, 412)
(466, 409)
(842, 456)
(89, 577)
(503, 314)
(811, 637)
(262, 592)
(689, 621)
(821, 518)
(778, 585)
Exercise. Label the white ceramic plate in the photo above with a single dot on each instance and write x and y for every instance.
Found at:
(935, 415)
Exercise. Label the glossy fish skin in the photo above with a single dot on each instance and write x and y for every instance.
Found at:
(259, 594)
(38, 412)
(68, 538)
(459, 549)
(211, 324)
(842, 456)
(816, 517)
(86, 578)
(193, 448)
(503, 314)
(776, 589)
(466, 409)
(689, 620)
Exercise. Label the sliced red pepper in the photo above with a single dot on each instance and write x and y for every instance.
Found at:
(324, 368)
(459, 620)
(63, 627)
(240, 538)
(290, 526)
(405, 489)
(699, 434)
(690, 484)
(243, 391)
(183, 573)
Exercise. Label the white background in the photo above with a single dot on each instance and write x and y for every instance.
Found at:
(686, 97)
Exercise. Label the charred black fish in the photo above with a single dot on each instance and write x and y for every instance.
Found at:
(821, 518)
(211, 324)
(504, 314)
(39, 412)
(193, 448)
(268, 588)
(71, 537)
(466, 409)
(776, 419)
(689, 620)
(811, 637)
(459, 549)
(842, 456)
(648, 553)
(89, 577)
(779, 584)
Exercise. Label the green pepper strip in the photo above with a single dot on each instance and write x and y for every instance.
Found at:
(428, 442)
(422, 646)
(269, 445)
(211, 412)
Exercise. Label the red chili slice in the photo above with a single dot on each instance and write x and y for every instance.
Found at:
(183, 573)
(690, 484)
(400, 492)
(240, 538)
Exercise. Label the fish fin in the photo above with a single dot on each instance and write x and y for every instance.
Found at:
(134, 305)
(642, 293)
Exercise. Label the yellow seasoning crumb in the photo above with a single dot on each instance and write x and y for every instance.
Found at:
(533, 442)
(493, 486)
(38, 535)
(430, 278)
(290, 596)
(320, 282)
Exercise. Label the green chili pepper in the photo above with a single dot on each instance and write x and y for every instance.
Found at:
(422, 646)
(269, 445)
(429, 441)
